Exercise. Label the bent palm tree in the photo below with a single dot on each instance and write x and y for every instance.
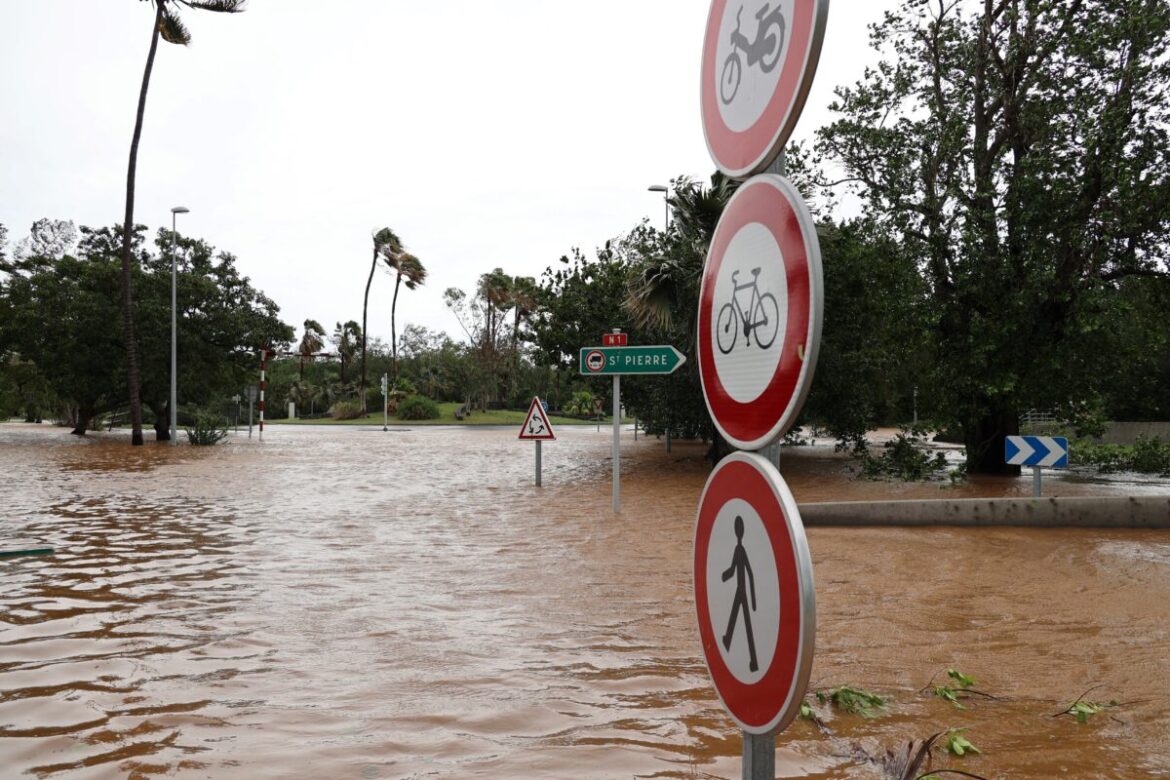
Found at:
(385, 240)
(412, 273)
(170, 27)
(311, 343)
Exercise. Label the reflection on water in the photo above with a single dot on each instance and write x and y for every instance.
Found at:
(351, 603)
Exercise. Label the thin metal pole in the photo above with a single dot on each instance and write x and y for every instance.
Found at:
(635, 429)
(174, 340)
(617, 462)
(1035, 482)
(263, 384)
(538, 462)
(251, 400)
(759, 756)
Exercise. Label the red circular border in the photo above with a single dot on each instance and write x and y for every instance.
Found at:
(742, 153)
(590, 354)
(746, 424)
(758, 706)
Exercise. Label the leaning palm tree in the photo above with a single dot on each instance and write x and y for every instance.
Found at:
(385, 241)
(168, 25)
(411, 272)
(311, 343)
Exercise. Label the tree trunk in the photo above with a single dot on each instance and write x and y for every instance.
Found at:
(132, 375)
(162, 421)
(393, 332)
(365, 308)
(985, 437)
(84, 415)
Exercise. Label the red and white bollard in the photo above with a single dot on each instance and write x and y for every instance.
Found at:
(263, 383)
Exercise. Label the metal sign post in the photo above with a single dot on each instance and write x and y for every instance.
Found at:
(617, 453)
(616, 358)
(537, 428)
(385, 399)
(1037, 452)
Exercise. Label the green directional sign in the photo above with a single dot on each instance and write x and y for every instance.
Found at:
(656, 359)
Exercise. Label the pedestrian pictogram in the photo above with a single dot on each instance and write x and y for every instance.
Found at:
(754, 595)
(536, 426)
(740, 565)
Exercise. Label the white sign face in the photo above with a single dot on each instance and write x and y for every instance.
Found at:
(751, 305)
(753, 39)
(759, 58)
(743, 591)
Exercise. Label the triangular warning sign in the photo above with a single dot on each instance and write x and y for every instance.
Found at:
(536, 425)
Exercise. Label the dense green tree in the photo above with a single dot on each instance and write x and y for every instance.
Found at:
(1017, 152)
(222, 320)
(169, 26)
(347, 339)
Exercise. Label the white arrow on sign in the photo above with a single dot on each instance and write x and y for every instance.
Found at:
(1025, 451)
(1055, 451)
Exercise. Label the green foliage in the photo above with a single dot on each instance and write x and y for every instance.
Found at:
(960, 684)
(903, 458)
(349, 409)
(1082, 710)
(853, 700)
(580, 404)
(1018, 155)
(1146, 456)
(958, 744)
(418, 407)
(207, 429)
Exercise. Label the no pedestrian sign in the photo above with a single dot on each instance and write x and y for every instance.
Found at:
(754, 594)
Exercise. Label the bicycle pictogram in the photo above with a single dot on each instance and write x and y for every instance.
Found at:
(764, 50)
(761, 318)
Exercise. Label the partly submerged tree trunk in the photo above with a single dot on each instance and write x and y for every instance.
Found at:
(162, 421)
(393, 332)
(132, 375)
(985, 437)
(365, 308)
(85, 413)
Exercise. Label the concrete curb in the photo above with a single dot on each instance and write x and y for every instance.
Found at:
(1093, 512)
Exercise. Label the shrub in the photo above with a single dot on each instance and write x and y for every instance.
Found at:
(418, 407)
(208, 429)
(902, 459)
(346, 410)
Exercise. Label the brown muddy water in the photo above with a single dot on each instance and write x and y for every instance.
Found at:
(348, 603)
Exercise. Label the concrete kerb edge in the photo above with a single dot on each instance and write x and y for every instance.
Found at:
(1056, 512)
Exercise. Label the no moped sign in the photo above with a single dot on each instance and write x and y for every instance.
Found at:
(760, 312)
(759, 59)
(754, 594)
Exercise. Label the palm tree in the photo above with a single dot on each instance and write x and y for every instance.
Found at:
(347, 337)
(411, 272)
(311, 343)
(170, 27)
(523, 295)
(385, 240)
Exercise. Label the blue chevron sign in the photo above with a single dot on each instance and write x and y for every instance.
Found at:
(1050, 451)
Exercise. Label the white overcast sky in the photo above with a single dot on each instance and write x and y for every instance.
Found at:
(486, 133)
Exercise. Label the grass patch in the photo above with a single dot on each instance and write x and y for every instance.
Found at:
(447, 417)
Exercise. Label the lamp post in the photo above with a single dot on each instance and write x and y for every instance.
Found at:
(175, 212)
(665, 199)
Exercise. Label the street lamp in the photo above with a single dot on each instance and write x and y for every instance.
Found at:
(175, 212)
(665, 199)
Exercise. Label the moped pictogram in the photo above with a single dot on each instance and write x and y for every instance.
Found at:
(764, 50)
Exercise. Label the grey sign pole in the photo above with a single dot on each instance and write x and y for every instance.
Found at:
(1035, 482)
(759, 756)
(617, 457)
(538, 462)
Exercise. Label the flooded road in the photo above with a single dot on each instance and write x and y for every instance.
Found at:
(348, 603)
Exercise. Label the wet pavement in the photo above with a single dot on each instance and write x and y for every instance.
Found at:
(341, 602)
